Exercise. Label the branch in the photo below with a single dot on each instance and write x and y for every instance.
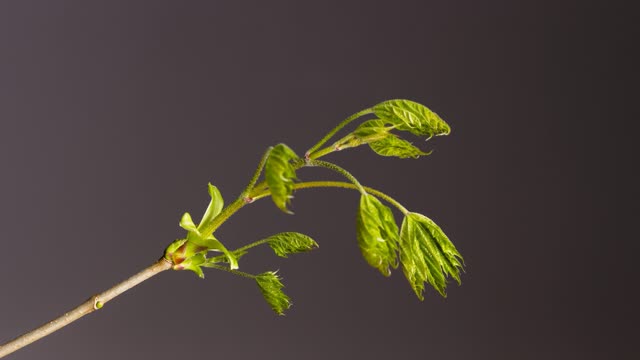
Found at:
(94, 303)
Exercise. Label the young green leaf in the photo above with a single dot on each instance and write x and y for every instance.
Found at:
(423, 258)
(394, 146)
(280, 174)
(290, 243)
(187, 223)
(410, 116)
(451, 260)
(271, 288)
(418, 268)
(214, 208)
(377, 234)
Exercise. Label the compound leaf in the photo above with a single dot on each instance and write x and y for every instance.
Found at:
(449, 258)
(427, 255)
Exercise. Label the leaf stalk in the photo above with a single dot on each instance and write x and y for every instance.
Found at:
(344, 123)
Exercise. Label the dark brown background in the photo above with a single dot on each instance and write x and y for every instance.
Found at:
(115, 115)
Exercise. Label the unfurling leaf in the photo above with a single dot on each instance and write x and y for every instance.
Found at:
(280, 174)
(187, 223)
(271, 288)
(290, 243)
(377, 234)
(196, 243)
(427, 254)
(410, 116)
(214, 208)
(394, 146)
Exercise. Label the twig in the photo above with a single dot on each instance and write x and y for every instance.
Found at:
(89, 306)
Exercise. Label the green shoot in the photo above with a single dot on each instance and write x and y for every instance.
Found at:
(426, 254)
(420, 247)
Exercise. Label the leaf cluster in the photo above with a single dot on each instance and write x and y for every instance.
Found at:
(190, 253)
(426, 254)
(401, 115)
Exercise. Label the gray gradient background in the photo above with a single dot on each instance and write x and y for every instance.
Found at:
(115, 115)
